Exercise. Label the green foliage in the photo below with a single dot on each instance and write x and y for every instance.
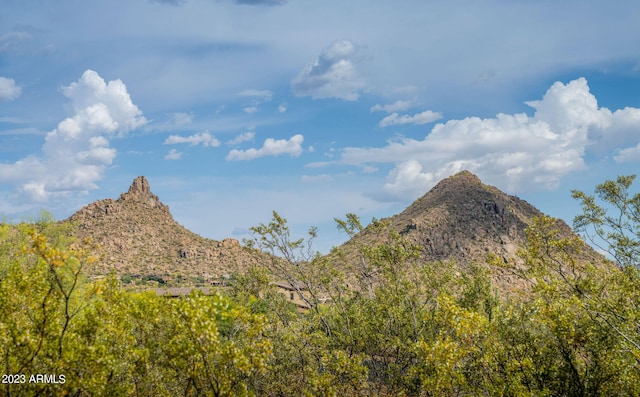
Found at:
(415, 328)
(105, 341)
(392, 325)
(43, 293)
(578, 335)
(215, 347)
(614, 225)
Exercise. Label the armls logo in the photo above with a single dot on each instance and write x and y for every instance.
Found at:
(45, 378)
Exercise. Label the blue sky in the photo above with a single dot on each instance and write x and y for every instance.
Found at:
(235, 108)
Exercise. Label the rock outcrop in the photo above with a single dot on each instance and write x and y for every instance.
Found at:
(138, 236)
(141, 191)
(462, 220)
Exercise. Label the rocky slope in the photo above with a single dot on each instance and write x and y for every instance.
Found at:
(462, 220)
(138, 237)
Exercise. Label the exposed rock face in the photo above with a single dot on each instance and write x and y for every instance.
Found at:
(138, 235)
(141, 191)
(461, 219)
(140, 187)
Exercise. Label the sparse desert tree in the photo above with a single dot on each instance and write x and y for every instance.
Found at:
(612, 223)
(43, 294)
(574, 330)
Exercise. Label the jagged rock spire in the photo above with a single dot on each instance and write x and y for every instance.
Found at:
(139, 236)
(140, 191)
(140, 186)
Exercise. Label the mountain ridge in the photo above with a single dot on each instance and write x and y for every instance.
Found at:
(138, 236)
(462, 220)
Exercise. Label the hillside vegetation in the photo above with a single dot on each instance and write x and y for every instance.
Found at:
(382, 322)
(138, 240)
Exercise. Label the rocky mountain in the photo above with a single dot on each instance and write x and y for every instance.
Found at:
(138, 238)
(462, 220)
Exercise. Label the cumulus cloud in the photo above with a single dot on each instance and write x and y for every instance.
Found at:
(419, 118)
(8, 89)
(201, 138)
(408, 179)
(76, 153)
(333, 74)
(628, 155)
(173, 155)
(517, 152)
(271, 147)
(282, 108)
(244, 137)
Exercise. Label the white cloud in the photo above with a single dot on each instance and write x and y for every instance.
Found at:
(397, 106)
(617, 129)
(425, 117)
(271, 147)
(8, 89)
(394, 118)
(628, 155)
(570, 107)
(76, 153)
(244, 137)
(201, 138)
(408, 179)
(98, 153)
(282, 108)
(332, 75)
(173, 155)
(250, 109)
(517, 152)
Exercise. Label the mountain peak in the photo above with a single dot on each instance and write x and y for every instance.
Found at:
(461, 180)
(140, 191)
(466, 176)
(462, 219)
(139, 236)
(459, 190)
(140, 185)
